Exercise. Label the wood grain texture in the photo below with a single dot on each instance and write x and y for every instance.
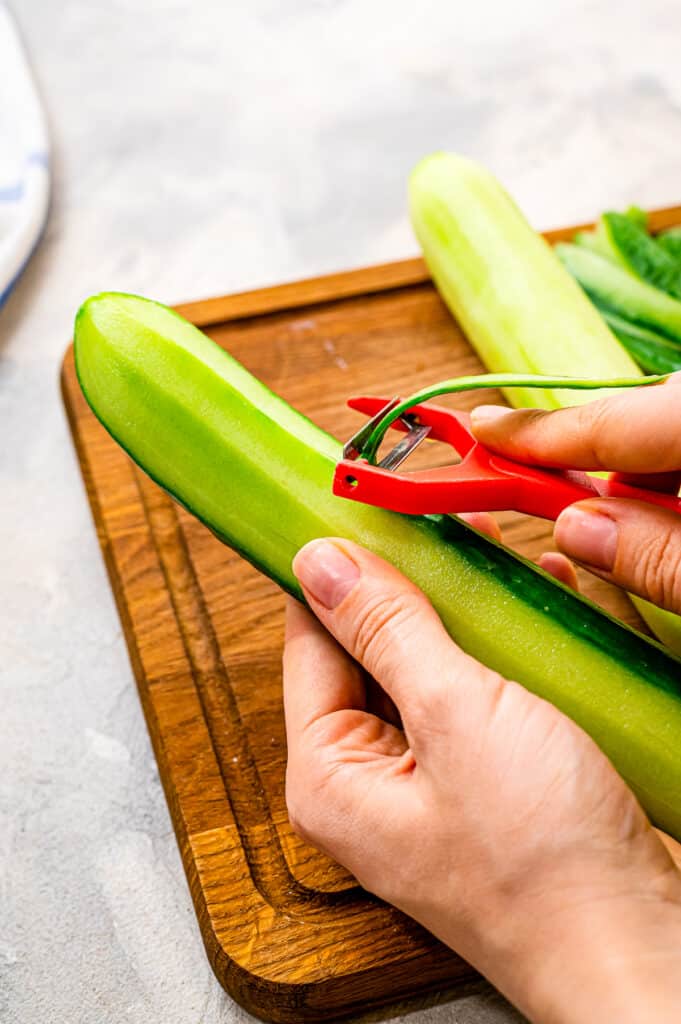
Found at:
(289, 933)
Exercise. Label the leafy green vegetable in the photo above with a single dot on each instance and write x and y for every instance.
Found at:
(638, 216)
(631, 246)
(670, 241)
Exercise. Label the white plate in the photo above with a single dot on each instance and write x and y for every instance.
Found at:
(24, 158)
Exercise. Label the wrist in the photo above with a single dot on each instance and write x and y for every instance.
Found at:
(590, 954)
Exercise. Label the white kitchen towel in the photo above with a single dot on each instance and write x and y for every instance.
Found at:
(24, 158)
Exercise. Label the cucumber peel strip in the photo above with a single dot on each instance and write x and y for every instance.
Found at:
(498, 380)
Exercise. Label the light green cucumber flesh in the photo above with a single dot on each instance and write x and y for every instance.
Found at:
(501, 280)
(618, 290)
(593, 241)
(259, 475)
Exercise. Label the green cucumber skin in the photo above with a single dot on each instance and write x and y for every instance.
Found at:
(651, 358)
(614, 288)
(259, 475)
(653, 352)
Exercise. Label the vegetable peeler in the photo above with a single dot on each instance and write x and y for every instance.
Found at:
(481, 482)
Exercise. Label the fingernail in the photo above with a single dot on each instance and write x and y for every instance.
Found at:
(588, 536)
(326, 572)
(485, 415)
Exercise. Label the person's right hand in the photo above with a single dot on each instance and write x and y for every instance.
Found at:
(638, 433)
(469, 803)
(477, 808)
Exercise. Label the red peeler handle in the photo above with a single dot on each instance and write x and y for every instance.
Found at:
(482, 482)
(615, 487)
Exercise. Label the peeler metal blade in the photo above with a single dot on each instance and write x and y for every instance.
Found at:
(415, 435)
(354, 448)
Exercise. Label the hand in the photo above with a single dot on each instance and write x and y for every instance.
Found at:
(472, 805)
(634, 545)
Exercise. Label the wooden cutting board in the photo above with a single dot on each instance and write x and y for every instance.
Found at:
(289, 933)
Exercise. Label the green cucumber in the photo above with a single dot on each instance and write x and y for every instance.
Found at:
(653, 352)
(631, 246)
(593, 241)
(619, 291)
(259, 475)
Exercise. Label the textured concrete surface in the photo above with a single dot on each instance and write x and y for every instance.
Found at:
(201, 148)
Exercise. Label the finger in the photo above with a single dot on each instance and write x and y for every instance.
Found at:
(673, 847)
(388, 625)
(666, 483)
(635, 431)
(635, 545)
(483, 522)
(319, 677)
(561, 568)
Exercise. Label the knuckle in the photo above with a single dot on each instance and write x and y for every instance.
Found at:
(300, 828)
(313, 794)
(301, 812)
(659, 567)
(529, 436)
(594, 423)
(381, 618)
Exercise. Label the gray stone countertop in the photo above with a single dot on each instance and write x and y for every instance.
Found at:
(201, 148)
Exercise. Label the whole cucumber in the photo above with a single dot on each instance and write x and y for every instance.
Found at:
(259, 475)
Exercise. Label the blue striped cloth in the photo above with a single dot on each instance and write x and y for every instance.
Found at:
(24, 159)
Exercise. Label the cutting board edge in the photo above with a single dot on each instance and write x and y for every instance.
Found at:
(313, 998)
(355, 281)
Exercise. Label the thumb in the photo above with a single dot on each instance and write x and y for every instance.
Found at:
(388, 625)
(635, 545)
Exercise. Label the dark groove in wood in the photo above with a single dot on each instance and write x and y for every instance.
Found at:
(265, 859)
